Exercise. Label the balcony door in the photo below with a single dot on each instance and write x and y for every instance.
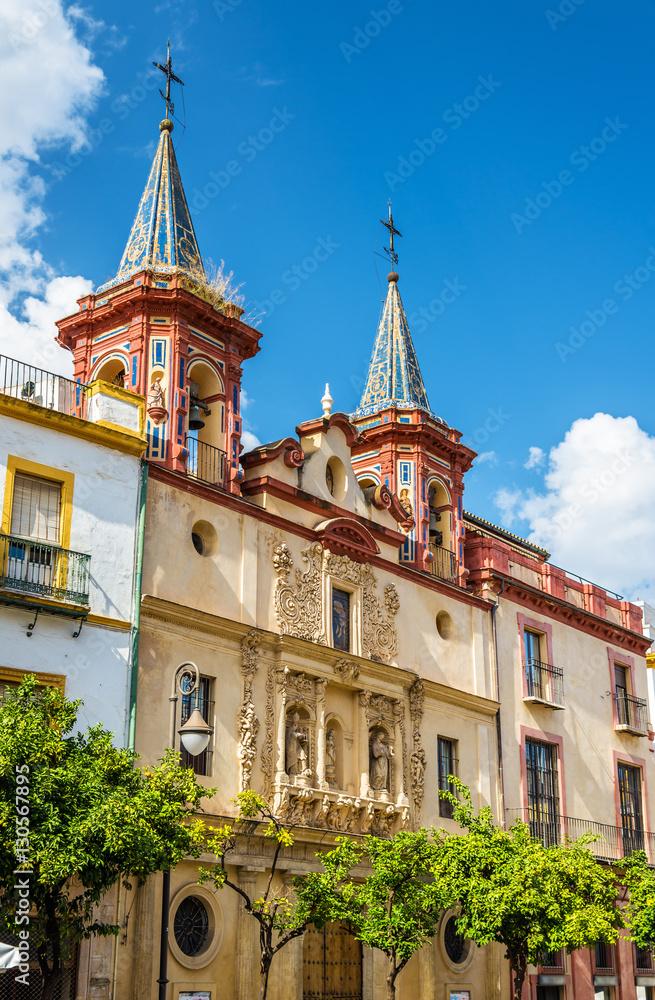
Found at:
(543, 790)
(632, 816)
(35, 525)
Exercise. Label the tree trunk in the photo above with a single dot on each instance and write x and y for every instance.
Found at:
(519, 979)
(263, 983)
(391, 981)
(50, 984)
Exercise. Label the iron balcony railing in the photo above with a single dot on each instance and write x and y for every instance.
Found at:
(613, 843)
(631, 713)
(205, 462)
(443, 564)
(34, 385)
(38, 568)
(543, 682)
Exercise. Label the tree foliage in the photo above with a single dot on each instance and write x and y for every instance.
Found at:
(639, 879)
(530, 898)
(280, 916)
(396, 906)
(86, 817)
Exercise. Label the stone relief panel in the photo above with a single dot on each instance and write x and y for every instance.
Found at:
(417, 760)
(247, 721)
(299, 603)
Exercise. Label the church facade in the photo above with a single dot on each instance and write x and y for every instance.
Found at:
(354, 635)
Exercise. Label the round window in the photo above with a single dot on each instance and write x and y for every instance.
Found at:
(444, 625)
(454, 943)
(204, 538)
(191, 926)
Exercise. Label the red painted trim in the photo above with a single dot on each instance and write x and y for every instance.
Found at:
(323, 424)
(538, 734)
(623, 661)
(546, 604)
(181, 481)
(534, 626)
(618, 756)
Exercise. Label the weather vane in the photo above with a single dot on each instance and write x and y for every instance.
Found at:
(170, 75)
(393, 257)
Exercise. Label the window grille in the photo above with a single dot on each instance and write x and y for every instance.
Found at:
(632, 817)
(200, 699)
(543, 792)
(447, 763)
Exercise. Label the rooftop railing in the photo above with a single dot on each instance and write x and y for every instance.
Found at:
(612, 843)
(443, 564)
(205, 462)
(34, 385)
(544, 683)
(40, 569)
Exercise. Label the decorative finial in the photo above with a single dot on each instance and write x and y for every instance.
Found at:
(170, 75)
(327, 401)
(393, 256)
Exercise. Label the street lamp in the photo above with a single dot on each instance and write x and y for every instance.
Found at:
(194, 735)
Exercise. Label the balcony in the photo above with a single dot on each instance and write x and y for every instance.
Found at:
(39, 569)
(205, 462)
(33, 385)
(544, 684)
(614, 843)
(631, 714)
(443, 564)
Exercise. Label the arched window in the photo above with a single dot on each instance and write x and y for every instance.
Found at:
(206, 423)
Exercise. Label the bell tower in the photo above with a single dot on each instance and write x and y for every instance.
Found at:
(405, 447)
(162, 329)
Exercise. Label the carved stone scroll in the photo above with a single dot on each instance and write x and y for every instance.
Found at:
(247, 721)
(417, 759)
(299, 608)
(346, 669)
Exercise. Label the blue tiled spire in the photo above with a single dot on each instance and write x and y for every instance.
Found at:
(394, 377)
(162, 236)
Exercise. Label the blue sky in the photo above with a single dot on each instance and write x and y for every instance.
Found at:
(517, 147)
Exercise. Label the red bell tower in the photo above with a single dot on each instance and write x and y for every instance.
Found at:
(405, 447)
(159, 328)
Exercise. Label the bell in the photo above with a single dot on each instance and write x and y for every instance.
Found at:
(196, 423)
(435, 517)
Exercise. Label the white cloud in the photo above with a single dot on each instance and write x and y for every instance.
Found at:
(53, 85)
(597, 514)
(249, 441)
(536, 458)
(487, 456)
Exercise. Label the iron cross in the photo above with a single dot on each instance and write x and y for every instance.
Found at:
(392, 255)
(170, 75)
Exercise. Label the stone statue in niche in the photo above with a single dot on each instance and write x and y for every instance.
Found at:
(156, 394)
(380, 754)
(330, 759)
(297, 763)
(406, 503)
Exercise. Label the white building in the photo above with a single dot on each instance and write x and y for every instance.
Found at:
(70, 472)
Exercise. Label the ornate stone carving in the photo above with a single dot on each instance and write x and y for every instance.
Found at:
(296, 758)
(417, 759)
(346, 669)
(330, 759)
(379, 634)
(399, 720)
(247, 721)
(380, 754)
(268, 758)
(299, 608)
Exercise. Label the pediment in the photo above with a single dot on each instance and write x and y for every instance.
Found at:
(345, 536)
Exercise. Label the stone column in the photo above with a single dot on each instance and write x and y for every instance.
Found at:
(399, 752)
(286, 979)
(426, 981)
(321, 780)
(363, 744)
(492, 980)
(247, 952)
(144, 953)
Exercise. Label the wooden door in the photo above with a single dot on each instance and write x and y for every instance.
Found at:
(332, 964)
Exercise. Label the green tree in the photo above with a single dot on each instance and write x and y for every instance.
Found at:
(530, 898)
(76, 816)
(280, 916)
(396, 907)
(638, 878)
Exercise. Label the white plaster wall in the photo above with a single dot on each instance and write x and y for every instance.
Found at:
(113, 410)
(105, 498)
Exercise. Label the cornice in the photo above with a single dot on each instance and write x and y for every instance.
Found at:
(243, 506)
(418, 434)
(555, 607)
(160, 612)
(118, 438)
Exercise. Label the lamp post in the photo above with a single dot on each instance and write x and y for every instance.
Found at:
(194, 736)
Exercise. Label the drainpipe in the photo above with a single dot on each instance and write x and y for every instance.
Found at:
(499, 734)
(138, 577)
